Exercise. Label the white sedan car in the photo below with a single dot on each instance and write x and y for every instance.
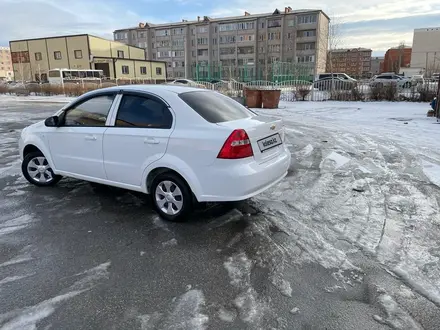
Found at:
(178, 144)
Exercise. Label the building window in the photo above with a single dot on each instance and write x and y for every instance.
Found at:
(162, 33)
(202, 52)
(291, 23)
(246, 50)
(306, 33)
(306, 46)
(202, 41)
(78, 54)
(273, 36)
(38, 57)
(274, 23)
(307, 19)
(227, 39)
(120, 54)
(57, 55)
(203, 29)
(143, 70)
(159, 71)
(228, 27)
(125, 69)
(306, 59)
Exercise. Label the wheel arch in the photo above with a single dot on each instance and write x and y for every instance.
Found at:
(177, 167)
(36, 145)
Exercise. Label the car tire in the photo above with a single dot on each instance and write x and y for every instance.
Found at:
(171, 197)
(37, 171)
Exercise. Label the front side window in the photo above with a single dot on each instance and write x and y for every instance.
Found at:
(90, 113)
(144, 112)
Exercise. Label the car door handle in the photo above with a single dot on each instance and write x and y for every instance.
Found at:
(151, 141)
(90, 137)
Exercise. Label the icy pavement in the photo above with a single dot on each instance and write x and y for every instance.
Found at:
(5, 99)
(347, 241)
(364, 176)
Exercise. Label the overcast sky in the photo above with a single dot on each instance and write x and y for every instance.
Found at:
(375, 24)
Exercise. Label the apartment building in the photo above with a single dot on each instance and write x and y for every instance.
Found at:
(425, 52)
(356, 62)
(33, 58)
(240, 47)
(6, 72)
(396, 58)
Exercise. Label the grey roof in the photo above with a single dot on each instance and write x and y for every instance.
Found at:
(221, 19)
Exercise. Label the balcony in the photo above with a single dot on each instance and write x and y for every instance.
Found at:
(305, 39)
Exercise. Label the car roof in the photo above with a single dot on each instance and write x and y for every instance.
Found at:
(178, 89)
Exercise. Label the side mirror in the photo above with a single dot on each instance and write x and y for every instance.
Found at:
(52, 121)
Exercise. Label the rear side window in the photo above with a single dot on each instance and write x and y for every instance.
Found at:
(215, 107)
(140, 111)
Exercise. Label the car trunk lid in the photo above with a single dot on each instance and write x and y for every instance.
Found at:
(266, 135)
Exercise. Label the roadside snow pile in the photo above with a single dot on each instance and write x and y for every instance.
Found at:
(362, 179)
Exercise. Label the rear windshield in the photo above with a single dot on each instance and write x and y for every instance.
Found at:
(215, 107)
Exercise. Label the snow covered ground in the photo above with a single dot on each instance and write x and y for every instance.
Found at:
(366, 177)
(362, 193)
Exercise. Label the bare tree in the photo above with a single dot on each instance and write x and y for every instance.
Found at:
(331, 41)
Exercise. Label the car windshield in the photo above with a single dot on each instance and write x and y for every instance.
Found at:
(215, 107)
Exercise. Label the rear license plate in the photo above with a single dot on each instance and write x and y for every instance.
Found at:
(269, 142)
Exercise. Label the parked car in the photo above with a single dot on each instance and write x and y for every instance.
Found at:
(178, 144)
(334, 83)
(417, 79)
(388, 79)
(187, 82)
(435, 76)
(342, 76)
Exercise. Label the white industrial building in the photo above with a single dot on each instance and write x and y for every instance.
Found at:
(426, 50)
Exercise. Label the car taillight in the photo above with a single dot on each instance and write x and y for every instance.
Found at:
(237, 146)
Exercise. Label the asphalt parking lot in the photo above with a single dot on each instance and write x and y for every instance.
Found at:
(83, 256)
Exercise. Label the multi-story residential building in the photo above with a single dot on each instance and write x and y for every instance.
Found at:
(376, 64)
(243, 47)
(6, 72)
(396, 58)
(426, 50)
(33, 58)
(356, 62)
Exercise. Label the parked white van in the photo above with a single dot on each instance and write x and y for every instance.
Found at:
(343, 76)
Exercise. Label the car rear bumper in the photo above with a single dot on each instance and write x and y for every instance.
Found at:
(244, 179)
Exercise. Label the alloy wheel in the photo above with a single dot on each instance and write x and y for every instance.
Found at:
(39, 170)
(169, 197)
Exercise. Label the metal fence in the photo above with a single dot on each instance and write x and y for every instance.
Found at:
(291, 90)
(248, 72)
